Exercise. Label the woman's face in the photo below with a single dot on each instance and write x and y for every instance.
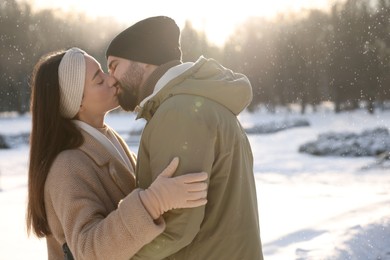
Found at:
(100, 91)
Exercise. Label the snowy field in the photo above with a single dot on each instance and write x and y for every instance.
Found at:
(310, 207)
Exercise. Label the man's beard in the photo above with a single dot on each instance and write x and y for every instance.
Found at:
(128, 98)
(130, 84)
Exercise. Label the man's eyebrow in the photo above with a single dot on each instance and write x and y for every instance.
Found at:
(96, 73)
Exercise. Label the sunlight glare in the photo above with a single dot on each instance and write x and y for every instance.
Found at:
(217, 19)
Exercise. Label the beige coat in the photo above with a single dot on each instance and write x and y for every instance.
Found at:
(91, 204)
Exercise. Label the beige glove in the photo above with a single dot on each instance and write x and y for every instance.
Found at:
(166, 193)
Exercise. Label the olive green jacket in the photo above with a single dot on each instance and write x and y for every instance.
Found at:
(193, 114)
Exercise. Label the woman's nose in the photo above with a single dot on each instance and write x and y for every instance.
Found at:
(112, 82)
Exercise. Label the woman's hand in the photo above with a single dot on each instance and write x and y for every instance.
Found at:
(167, 192)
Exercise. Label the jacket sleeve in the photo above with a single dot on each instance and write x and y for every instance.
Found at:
(180, 129)
(91, 229)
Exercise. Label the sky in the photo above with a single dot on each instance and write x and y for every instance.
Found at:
(310, 207)
(217, 18)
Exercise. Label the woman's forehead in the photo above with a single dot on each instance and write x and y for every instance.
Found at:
(92, 66)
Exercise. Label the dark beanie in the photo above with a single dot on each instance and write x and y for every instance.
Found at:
(154, 40)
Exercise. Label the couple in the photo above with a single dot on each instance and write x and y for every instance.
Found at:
(93, 198)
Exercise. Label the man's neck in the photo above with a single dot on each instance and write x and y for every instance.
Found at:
(147, 89)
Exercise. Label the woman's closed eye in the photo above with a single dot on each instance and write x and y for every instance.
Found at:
(99, 80)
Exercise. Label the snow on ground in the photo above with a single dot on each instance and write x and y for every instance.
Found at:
(310, 207)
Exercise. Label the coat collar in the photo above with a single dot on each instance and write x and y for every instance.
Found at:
(94, 149)
(116, 168)
(98, 153)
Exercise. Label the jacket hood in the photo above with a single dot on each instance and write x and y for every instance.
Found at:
(206, 78)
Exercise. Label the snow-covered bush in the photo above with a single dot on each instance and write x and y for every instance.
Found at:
(276, 126)
(369, 143)
(3, 144)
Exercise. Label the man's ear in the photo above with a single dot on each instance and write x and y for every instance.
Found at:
(149, 68)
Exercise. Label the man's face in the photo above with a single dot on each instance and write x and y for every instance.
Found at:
(130, 76)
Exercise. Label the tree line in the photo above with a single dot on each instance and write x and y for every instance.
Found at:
(341, 55)
(26, 35)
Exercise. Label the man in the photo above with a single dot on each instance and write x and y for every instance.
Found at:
(191, 111)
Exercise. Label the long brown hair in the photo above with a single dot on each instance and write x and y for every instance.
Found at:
(50, 134)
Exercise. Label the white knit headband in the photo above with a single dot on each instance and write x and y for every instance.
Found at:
(71, 73)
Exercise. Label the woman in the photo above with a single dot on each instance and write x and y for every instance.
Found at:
(81, 188)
